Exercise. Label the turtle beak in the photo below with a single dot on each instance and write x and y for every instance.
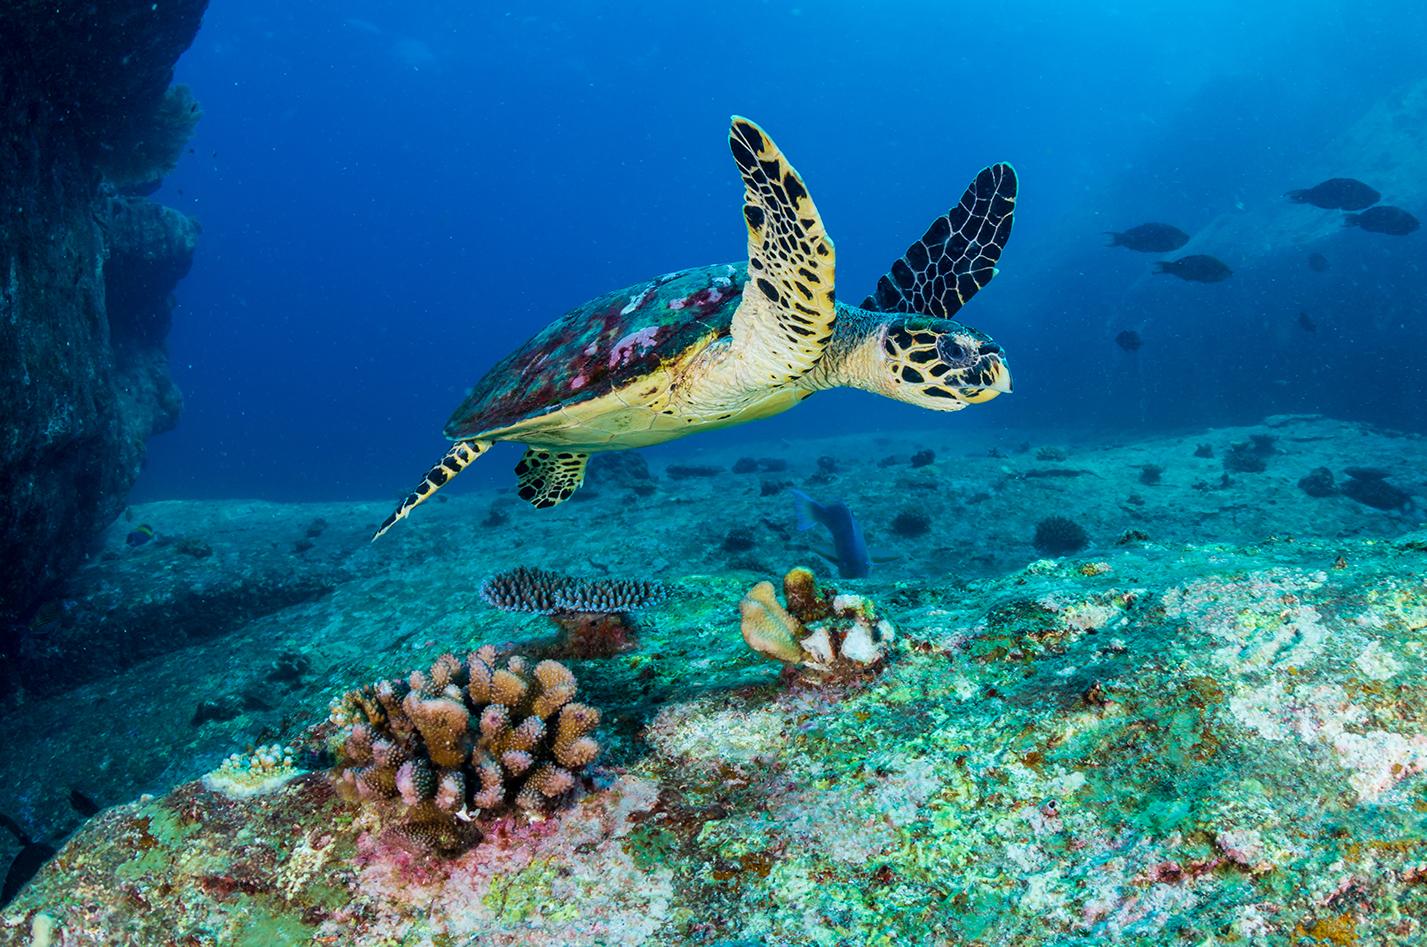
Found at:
(994, 379)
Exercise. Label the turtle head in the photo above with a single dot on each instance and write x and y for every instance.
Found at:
(937, 363)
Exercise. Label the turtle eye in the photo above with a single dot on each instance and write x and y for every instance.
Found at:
(953, 352)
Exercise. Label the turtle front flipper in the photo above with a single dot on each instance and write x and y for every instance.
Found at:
(785, 318)
(547, 477)
(957, 256)
(456, 460)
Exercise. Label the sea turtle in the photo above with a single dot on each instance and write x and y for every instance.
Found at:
(719, 345)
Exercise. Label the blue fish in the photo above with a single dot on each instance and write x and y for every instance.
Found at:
(853, 562)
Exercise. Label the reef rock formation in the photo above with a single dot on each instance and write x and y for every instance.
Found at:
(85, 274)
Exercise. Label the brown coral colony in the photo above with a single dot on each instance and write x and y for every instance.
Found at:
(441, 749)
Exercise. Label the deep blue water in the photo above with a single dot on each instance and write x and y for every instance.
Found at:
(394, 196)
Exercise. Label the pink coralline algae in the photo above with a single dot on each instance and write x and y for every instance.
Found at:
(624, 349)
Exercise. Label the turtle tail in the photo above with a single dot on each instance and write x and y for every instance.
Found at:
(456, 460)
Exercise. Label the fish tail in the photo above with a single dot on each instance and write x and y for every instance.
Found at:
(1352, 220)
(803, 506)
(1114, 236)
(1299, 196)
(1165, 266)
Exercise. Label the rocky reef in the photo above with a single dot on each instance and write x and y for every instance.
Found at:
(88, 119)
(1205, 724)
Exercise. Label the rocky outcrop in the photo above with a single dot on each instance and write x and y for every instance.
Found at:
(86, 274)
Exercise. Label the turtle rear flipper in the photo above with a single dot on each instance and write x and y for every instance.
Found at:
(785, 319)
(456, 460)
(957, 255)
(547, 477)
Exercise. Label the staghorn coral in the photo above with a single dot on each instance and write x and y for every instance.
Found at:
(826, 636)
(594, 614)
(466, 739)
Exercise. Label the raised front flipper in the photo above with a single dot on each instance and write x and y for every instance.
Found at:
(549, 477)
(784, 321)
(957, 256)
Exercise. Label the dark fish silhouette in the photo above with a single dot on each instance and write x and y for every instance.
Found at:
(31, 859)
(1149, 238)
(1317, 262)
(1336, 194)
(1197, 268)
(1383, 219)
(1129, 340)
(82, 804)
(1306, 323)
(853, 562)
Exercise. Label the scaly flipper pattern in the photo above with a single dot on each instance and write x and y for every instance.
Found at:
(785, 319)
(456, 460)
(547, 478)
(957, 256)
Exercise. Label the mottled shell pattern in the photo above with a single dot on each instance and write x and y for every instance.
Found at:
(606, 344)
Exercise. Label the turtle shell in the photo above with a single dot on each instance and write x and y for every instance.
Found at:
(608, 343)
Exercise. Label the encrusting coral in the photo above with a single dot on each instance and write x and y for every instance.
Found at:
(255, 773)
(594, 614)
(823, 634)
(440, 749)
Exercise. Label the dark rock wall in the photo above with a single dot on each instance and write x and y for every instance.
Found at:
(86, 275)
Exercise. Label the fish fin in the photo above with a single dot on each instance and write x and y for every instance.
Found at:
(457, 458)
(803, 506)
(547, 477)
(957, 255)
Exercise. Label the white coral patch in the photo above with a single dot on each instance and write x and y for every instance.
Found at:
(1376, 663)
(702, 734)
(1378, 760)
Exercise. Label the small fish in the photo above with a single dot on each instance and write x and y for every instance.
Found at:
(30, 859)
(1129, 340)
(1383, 219)
(1306, 323)
(850, 548)
(1197, 268)
(1317, 262)
(1336, 194)
(1149, 238)
(140, 535)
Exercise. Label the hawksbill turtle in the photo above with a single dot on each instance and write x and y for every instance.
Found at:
(714, 346)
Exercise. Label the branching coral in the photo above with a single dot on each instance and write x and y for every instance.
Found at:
(594, 614)
(443, 747)
(824, 635)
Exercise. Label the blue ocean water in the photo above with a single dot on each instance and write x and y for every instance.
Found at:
(393, 197)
